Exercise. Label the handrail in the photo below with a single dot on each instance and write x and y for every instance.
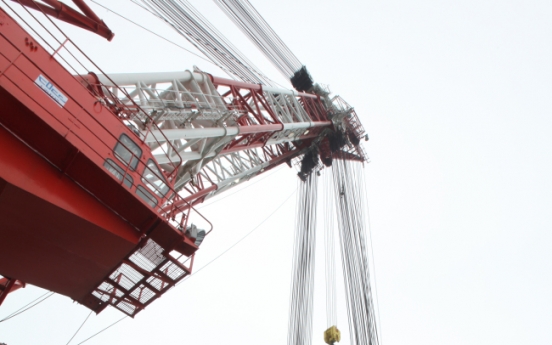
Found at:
(64, 46)
(125, 110)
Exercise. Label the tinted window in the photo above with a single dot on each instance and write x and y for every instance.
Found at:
(146, 196)
(154, 179)
(127, 151)
(118, 172)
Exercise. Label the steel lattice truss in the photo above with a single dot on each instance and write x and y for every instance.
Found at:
(207, 134)
(218, 132)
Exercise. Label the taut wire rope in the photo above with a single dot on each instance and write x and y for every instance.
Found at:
(204, 266)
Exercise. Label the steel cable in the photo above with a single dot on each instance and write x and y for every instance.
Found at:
(25, 308)
(302, 287)
(261, 34)
(82, 324)
(189, 23)
(329, 210)
(204, 266)
(348, 187)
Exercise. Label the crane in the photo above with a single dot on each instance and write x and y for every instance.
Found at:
(112, 165)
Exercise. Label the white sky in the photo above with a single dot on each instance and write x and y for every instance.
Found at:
(456, 99)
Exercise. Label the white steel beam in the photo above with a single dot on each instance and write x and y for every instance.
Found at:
(195, 120)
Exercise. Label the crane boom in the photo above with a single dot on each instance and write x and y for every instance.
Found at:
(224, 131)
(112, 164)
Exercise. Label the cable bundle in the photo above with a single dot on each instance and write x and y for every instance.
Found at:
(188, 22)
(349, 187)
(302, 288)
(265, 38)
(329, 241)
(259, 32)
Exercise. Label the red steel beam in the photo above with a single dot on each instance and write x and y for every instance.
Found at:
(7, 286)
(88, 21)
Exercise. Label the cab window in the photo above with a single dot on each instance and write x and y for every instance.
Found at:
(154, 179)
(146, 196)
(118, 172)
(127, 151)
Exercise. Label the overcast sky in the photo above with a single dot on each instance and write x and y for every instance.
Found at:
(456, 98)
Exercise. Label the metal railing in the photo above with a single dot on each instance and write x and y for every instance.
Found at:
(77, 63)
(138, 280)
(74, 60)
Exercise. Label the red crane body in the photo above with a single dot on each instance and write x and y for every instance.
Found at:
(66, 222)
(87, 208)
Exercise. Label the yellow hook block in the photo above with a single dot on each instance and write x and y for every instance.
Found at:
(332, 335)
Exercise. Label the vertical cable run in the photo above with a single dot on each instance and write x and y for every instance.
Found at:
(348, 187)
(329, 241)
(302, 288)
